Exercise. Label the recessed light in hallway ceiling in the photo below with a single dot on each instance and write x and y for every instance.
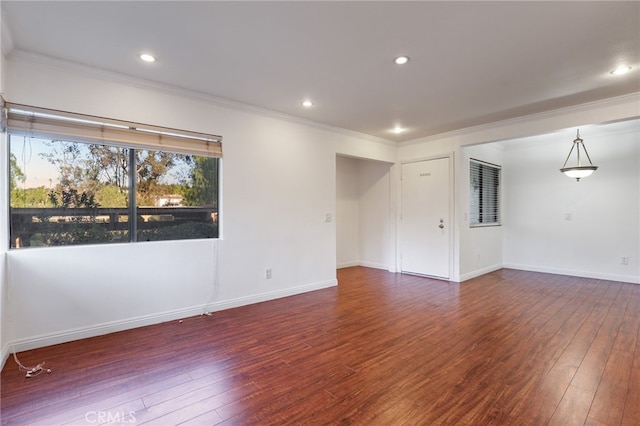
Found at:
(401, 60)
(621, 69)
(147, 57)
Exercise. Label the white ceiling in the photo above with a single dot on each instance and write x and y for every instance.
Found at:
(565, 137)
(471, 62)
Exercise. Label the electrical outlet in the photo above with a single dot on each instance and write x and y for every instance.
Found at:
(267, 274)
(624, 260)
(568, 216)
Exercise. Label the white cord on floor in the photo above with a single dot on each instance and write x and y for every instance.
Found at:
(31, 371)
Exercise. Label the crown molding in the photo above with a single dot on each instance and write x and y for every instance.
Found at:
(7, 37)
(631, 98)
(110, 76)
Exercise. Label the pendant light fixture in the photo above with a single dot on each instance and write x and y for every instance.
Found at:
(578, 171)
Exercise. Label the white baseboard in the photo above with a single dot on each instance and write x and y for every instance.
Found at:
(365, 264)
(480, 271)
(583, 274)
(570, 272)
(4, 355)
(375, 265)
(249, 300)
(347, 264)
(43, 340)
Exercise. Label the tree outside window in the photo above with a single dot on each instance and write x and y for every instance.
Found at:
(68, 193)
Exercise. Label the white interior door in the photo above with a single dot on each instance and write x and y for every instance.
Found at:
(425, 228)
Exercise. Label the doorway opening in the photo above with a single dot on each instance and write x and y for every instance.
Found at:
(363, 213)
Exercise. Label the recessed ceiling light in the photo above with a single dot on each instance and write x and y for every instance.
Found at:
(622, 69)
(307, 104)
(147, 57)
(397, 130)
(401, 60)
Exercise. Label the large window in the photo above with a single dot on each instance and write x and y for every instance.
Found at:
(69, 190)
(484, 194)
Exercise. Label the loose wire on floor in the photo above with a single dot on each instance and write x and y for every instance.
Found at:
(31, 371)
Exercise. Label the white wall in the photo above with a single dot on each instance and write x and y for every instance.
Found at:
(604, 208)
(4, 209)
(482, 250)
(363, 213)
(4, 239)
(279, 182)
(375, 210)
(468, 243)
(347, 212)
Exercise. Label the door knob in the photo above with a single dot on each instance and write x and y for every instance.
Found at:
(441, 226)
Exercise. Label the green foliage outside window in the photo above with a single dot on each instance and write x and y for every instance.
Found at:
(86, 196)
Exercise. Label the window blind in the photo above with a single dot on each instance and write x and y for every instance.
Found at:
(52, 124)
(484, 194)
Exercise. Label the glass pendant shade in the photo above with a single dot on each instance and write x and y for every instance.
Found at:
(579, 170)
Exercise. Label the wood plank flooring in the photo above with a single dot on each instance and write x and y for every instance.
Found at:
(507, 348)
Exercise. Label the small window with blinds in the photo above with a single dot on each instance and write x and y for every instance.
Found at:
(484, 194)
(77, 179)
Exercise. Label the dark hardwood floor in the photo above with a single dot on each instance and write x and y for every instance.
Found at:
(507, 348)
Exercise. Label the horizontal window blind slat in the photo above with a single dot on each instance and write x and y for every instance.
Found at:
(484, 203)
(43, 123)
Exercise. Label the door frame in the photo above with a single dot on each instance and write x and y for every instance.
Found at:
(452, 193)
